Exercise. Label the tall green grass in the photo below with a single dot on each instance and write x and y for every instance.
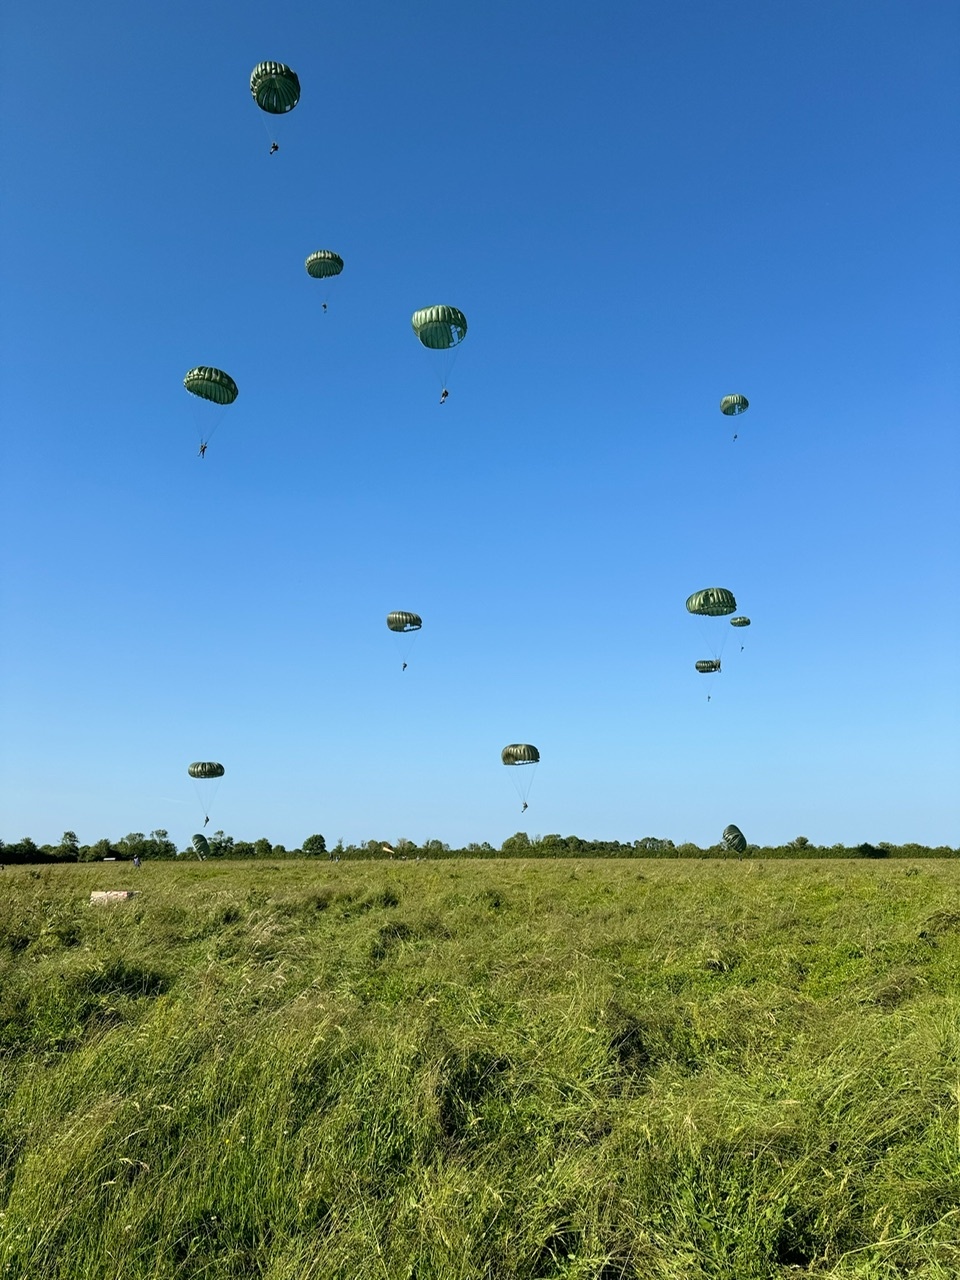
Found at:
(636, 1070)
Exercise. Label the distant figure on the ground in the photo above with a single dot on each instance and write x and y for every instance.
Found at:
(136, 861)
(443, 395)
(274, 147)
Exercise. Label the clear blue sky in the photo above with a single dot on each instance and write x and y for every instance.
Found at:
(640, 208)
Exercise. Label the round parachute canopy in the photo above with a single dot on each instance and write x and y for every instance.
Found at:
(323, 264)
(211, 384)
(706, 665)
(712, 602)
(200, 846)
(731, 406)
(400, 621)
(206, 769)
(520, 753)
(439, 328)
(734, 839)
(275, 87)
(739, 622)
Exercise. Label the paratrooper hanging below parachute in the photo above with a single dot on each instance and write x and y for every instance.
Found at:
(518, 753)
(711, 602)
(324, 265)
(442, 329)
(733, 406)
(216, 388)
(403, 623)
(206, 771)
(276, 90)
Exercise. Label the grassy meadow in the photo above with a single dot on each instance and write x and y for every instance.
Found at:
(550, 1070)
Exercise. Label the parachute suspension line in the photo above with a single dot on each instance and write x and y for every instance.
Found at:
(271, 138)
(205, 807)
(215, 419)
(446, 366)
(708, 636)
(523, 788)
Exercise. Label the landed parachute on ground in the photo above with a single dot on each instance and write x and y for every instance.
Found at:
(323, 264)
(275, 87)
(211, 384)
(206, 769)
(740, 622)
(706, 665)
(712, 602)
(200, 846)
(733, 406)
(734, 839)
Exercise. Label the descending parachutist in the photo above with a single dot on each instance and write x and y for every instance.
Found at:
(274, 147)
(443, 395)
(203, 448)
(524, 809)
(404, 667)
(734, 435)
(324, 305)
(206, 820)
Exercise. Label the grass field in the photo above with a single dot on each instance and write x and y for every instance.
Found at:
(439, 1071)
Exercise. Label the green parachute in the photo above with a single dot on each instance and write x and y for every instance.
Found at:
(706, 665)
(275, 87)
(211, 384)
(205, 769)
(740, 622)
(401, 621)
(712, 602)
(734, 839)
(439, 328)
(323, 264)
(200, 846)
(733, 406)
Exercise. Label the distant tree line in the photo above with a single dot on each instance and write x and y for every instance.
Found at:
(158, 845)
